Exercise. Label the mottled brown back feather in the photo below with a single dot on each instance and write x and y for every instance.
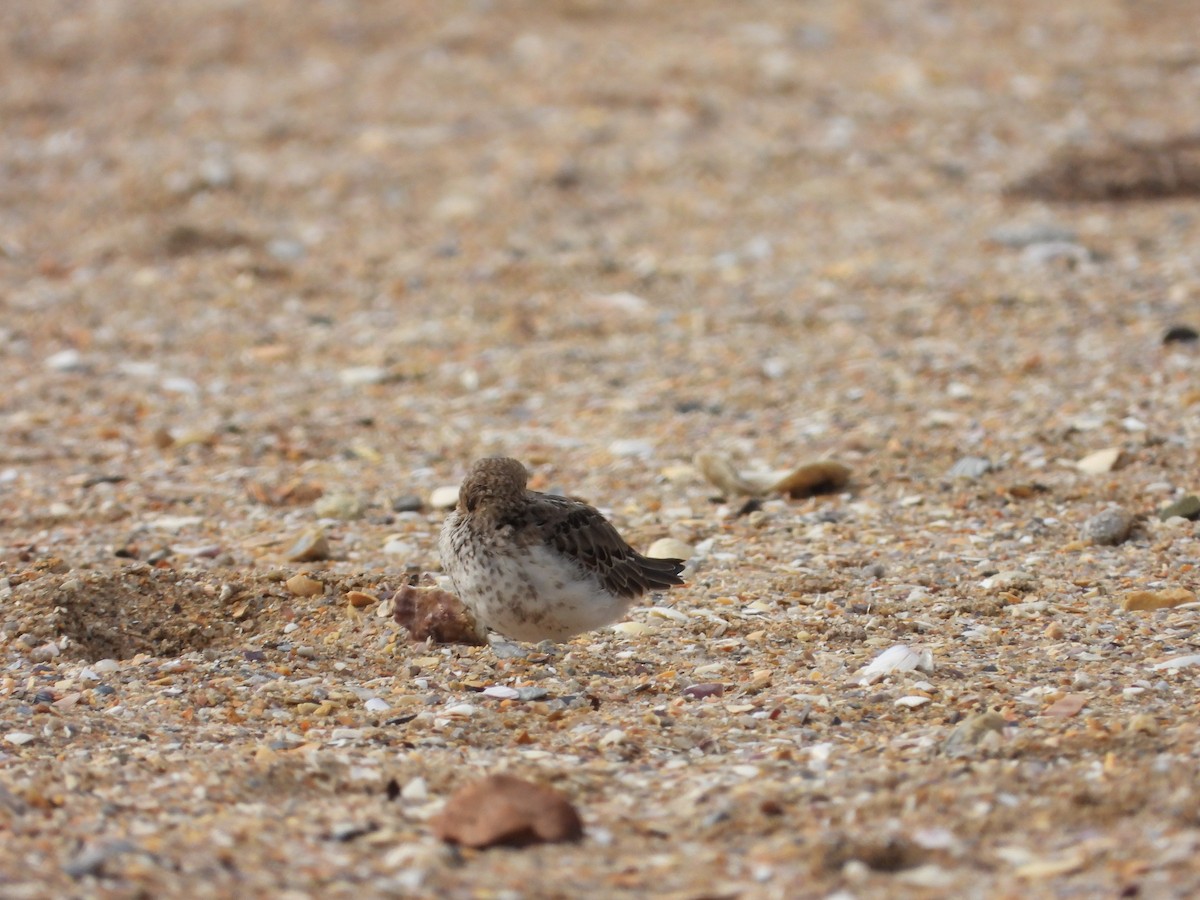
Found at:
(580, 532)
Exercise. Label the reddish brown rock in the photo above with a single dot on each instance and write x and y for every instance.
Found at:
(429, 612)
(501, 810)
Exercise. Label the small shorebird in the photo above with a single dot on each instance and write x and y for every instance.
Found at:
(537, 567)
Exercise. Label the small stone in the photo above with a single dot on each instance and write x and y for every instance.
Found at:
(1181, 334)
(377, 704)
(340, 506)
(311, 546)
(285, 249)
(19, 738)
(66, 361)
(912, 701)
(106, 666)
(1164, 599)
(669, 548)
(357, 376)
(1108, 527)
(415, 791)
(412, 503)
(1142, 723)
(360, 599)
(503, 810)
(631, 447)
(1100, 462)
(1185, 507)
(445, 497)
(970, 468)
(303, 586)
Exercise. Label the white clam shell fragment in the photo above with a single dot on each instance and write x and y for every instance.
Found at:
(896, 659)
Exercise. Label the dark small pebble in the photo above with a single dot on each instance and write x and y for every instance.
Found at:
(104, 690)
(1181, 334)
(408, 503)
(1187, 507)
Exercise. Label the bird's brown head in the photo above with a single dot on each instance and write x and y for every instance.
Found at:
(493, 482)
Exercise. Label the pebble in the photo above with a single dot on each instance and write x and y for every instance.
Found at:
(631, 447)
(19, 738)
(412, 503)
(415, 791)
(303, 586)
(377, 704)
(445, 497)
(311, 546)
(66, 361)
(285, 249)
(1182, 334)
(360, 599)
(670, 548)
(1185, 507)
(912, 701)
(177, 384)
(1108, 527)
(358, 376)
(340, 506)
(707, 689)
(531, 694)
(105, 666)
(970, 468)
